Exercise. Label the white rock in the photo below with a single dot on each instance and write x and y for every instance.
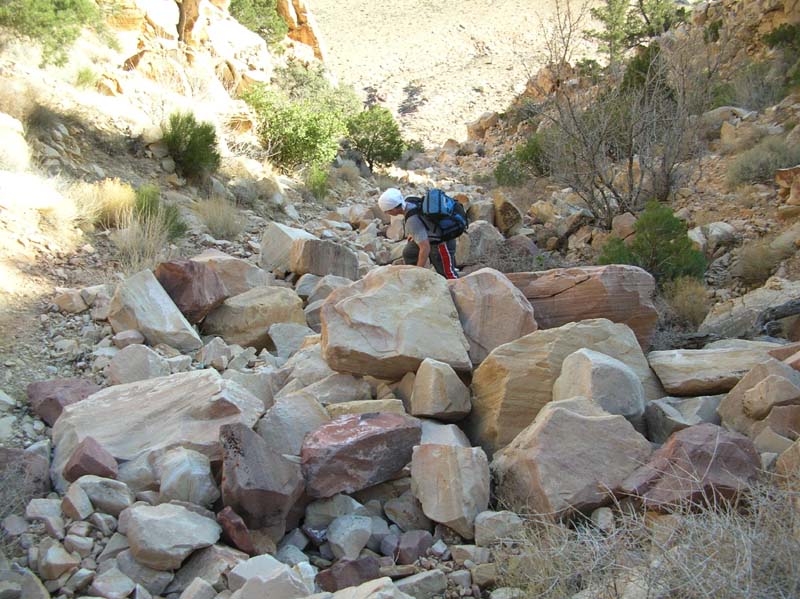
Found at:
(348, 535)
(186, 476)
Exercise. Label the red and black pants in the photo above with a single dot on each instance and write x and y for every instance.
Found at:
(443, 257)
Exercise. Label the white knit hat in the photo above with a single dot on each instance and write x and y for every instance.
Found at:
(391, 198)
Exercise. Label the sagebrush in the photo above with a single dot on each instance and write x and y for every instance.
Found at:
(221, 217)
(758, 164)
(688, 298)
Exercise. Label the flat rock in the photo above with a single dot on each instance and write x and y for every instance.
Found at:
(139, 418)
(322, 257)
(141, 303)
(492, 311)
(355, 452)
(48, 398)
(388, 322)
(237, 275)
(195, 287)
(616, 292)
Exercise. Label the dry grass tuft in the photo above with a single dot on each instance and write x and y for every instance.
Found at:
(708, 550)
(104, 203)
(757, 262)
(221, 217)
(348, 171)
(688, 298)
(142, 241)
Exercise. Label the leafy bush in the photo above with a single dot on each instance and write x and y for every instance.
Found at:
(785, 36)
(758, 164)
(192, 145)
(317, 181)
(296, 132)
(86, 77)
(221, 217)
(260, 16)
(528, 159)
(509, 171)
(54, 24)
(688, 298)
(376, 135)
(661, 246)
(148, 207)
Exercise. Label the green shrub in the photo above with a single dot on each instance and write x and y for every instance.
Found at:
(785, 36)
(758, 164)
(296, 132)
(86, 77)
(711, 33)
(148, 207)
(317, 181)
(529, 159)
(509, 171)
(55, 24)
(661, 246)
(262, 17)
(192, 145)
(376, 135)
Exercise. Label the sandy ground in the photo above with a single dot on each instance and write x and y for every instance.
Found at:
(437, 64)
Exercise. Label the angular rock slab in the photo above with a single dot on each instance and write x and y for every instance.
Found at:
(567, 460)
(670, 414)
(388, 322)
(692, 372)
(194, 287)
(237, 275)
(617, 292)
(439, 393)
(48, 398)
(516, 379)
(276, 246)
(90, 457)
(258, 483)
(185, 409)
(245, 319)
(466, 492)
(492, 311)
(162, 536)
(352, 453)
(696, 464)
(141, 303)
(322, 257)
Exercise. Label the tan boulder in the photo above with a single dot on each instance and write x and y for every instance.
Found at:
(507, 217)
(691, 372)
(567, 460)
(237, 275)
(788, 463)
(141, 303)
(185, 409)
(617, 292)
(516, 380)
(492, 311)
(276, 245)
(481, 239)
(466, 494)
(322, 257)
(245, 319)
(387, 323)
(774, 390)
(439, 393)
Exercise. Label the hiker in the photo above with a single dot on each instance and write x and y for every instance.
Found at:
(432, 224)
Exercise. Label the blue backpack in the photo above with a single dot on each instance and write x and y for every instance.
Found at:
(446, 213)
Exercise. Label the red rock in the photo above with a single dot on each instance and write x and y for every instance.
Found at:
(785, 351)
(348, 573)
(617, 292)
(413, 545)
(357, 451)
(697, 463)
(194, 287)
(48, 398)
(90, 457)
(27, 471)
(234, 531)
(257, 483)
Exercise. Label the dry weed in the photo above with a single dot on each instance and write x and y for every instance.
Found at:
(348, 171)
(221, 217)
(705, 550)
(688, 298)
(141, 241)
(103, 203)
(757, 261)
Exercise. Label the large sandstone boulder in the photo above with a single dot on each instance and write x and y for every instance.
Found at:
(481, 239)
(322, 257)
(492, 311)
(237, 275)
(141, 303)
(276, 246)
(261, 485)
(352, 453)
(735, 318)
(516, 380)
(698, 463)
(619, 293)
(388, 322)
(572, 457)
(194, 287)
(507, 217)
(185, 409)
(245, 319)
(691, 372)
(466, 494)
(439, 393)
